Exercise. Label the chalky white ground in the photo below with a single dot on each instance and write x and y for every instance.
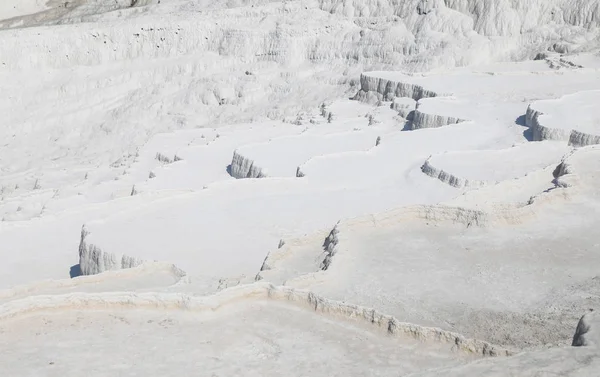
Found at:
(149, 124)
(263, 339)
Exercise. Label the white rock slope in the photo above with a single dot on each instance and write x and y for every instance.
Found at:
(124, 115)
(470, 257)
(574, 118)
(92, 260)
(474, 169)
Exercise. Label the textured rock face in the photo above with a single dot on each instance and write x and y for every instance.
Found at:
(404, 106)
(388, 89)
(581, 139)
(588, 331)
(400, 93)
(425, 120)
(449, 178)
(92, 260)
(562, 119)
(540, 132)
(506, 17)
(416, 28)
(329, 248)
(242, 167)
(490, 18)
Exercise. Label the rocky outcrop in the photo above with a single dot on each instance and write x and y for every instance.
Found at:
(372, 98)
(404, 106)
(329, 247)
(402, 94)
(540, 132)
(581, 139)
(425, 120)
(266, 262)
(534, 119)
(449, 178)
(242, 167)
(588, 331)
(386, 89)
(92, 260)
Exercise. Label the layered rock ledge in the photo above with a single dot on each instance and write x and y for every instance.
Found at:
(384, 87)
(574, 118)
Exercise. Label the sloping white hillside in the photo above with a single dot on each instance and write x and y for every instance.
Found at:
(459, 266)
(306, 187)
(261, 328)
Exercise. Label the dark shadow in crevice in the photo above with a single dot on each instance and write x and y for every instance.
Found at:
(75, 271)
(527, 133)
(408, 125)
